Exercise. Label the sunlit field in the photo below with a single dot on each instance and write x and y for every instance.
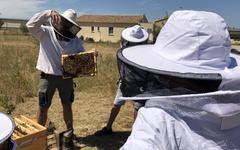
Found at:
(93, 95)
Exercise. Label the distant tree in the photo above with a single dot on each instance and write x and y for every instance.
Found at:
(166, 17)
(1, 23)
(156, 32)
(158, 26)
(23, 28)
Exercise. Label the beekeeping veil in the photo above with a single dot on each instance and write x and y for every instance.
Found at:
(191, 81)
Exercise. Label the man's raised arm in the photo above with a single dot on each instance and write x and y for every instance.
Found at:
(34, 25)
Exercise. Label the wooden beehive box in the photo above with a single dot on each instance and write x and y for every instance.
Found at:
(79, 65)
(29, 135)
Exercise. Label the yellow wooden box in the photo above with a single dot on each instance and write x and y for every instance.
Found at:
(29, 135)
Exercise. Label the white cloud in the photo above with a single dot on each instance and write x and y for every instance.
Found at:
(22, 9)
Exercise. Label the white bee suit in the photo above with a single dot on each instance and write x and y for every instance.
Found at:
(49, 59)
(209, 122)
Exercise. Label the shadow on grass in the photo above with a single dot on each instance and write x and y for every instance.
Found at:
(107, 142)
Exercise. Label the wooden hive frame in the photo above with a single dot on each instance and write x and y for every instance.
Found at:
(79, 65)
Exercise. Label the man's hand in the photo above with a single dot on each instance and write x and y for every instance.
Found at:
(56, 18)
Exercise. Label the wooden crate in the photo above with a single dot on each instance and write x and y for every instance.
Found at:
(79, 65)
(29, 135)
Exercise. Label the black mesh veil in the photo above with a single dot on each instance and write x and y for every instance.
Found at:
(142, 81)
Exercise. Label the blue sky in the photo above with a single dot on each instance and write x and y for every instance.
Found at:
(153, 9)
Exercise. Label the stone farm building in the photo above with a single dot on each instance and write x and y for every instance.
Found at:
(108, 28)
(11, 26)
(12, 23)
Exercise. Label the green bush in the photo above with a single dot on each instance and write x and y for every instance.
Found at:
(1, 23)
(90, 40)
(6, 104)
(23, 28)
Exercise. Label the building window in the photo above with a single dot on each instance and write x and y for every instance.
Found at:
(92, 28)
(98, 29)
(110, 30)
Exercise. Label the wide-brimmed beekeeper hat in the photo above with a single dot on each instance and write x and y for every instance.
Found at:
(135, 34)
(191, 42)
(71, 16)
(6, 128)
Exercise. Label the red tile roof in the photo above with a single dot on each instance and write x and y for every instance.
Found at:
(112, 19)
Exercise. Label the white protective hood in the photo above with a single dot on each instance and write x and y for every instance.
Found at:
(188, 122)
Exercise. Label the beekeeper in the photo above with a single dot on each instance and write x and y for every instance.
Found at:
(194, 104)
(57, 39)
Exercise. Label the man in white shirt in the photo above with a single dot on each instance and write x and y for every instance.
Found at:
(59, 38)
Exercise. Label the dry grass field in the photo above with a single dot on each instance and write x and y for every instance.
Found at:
(93, 95)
